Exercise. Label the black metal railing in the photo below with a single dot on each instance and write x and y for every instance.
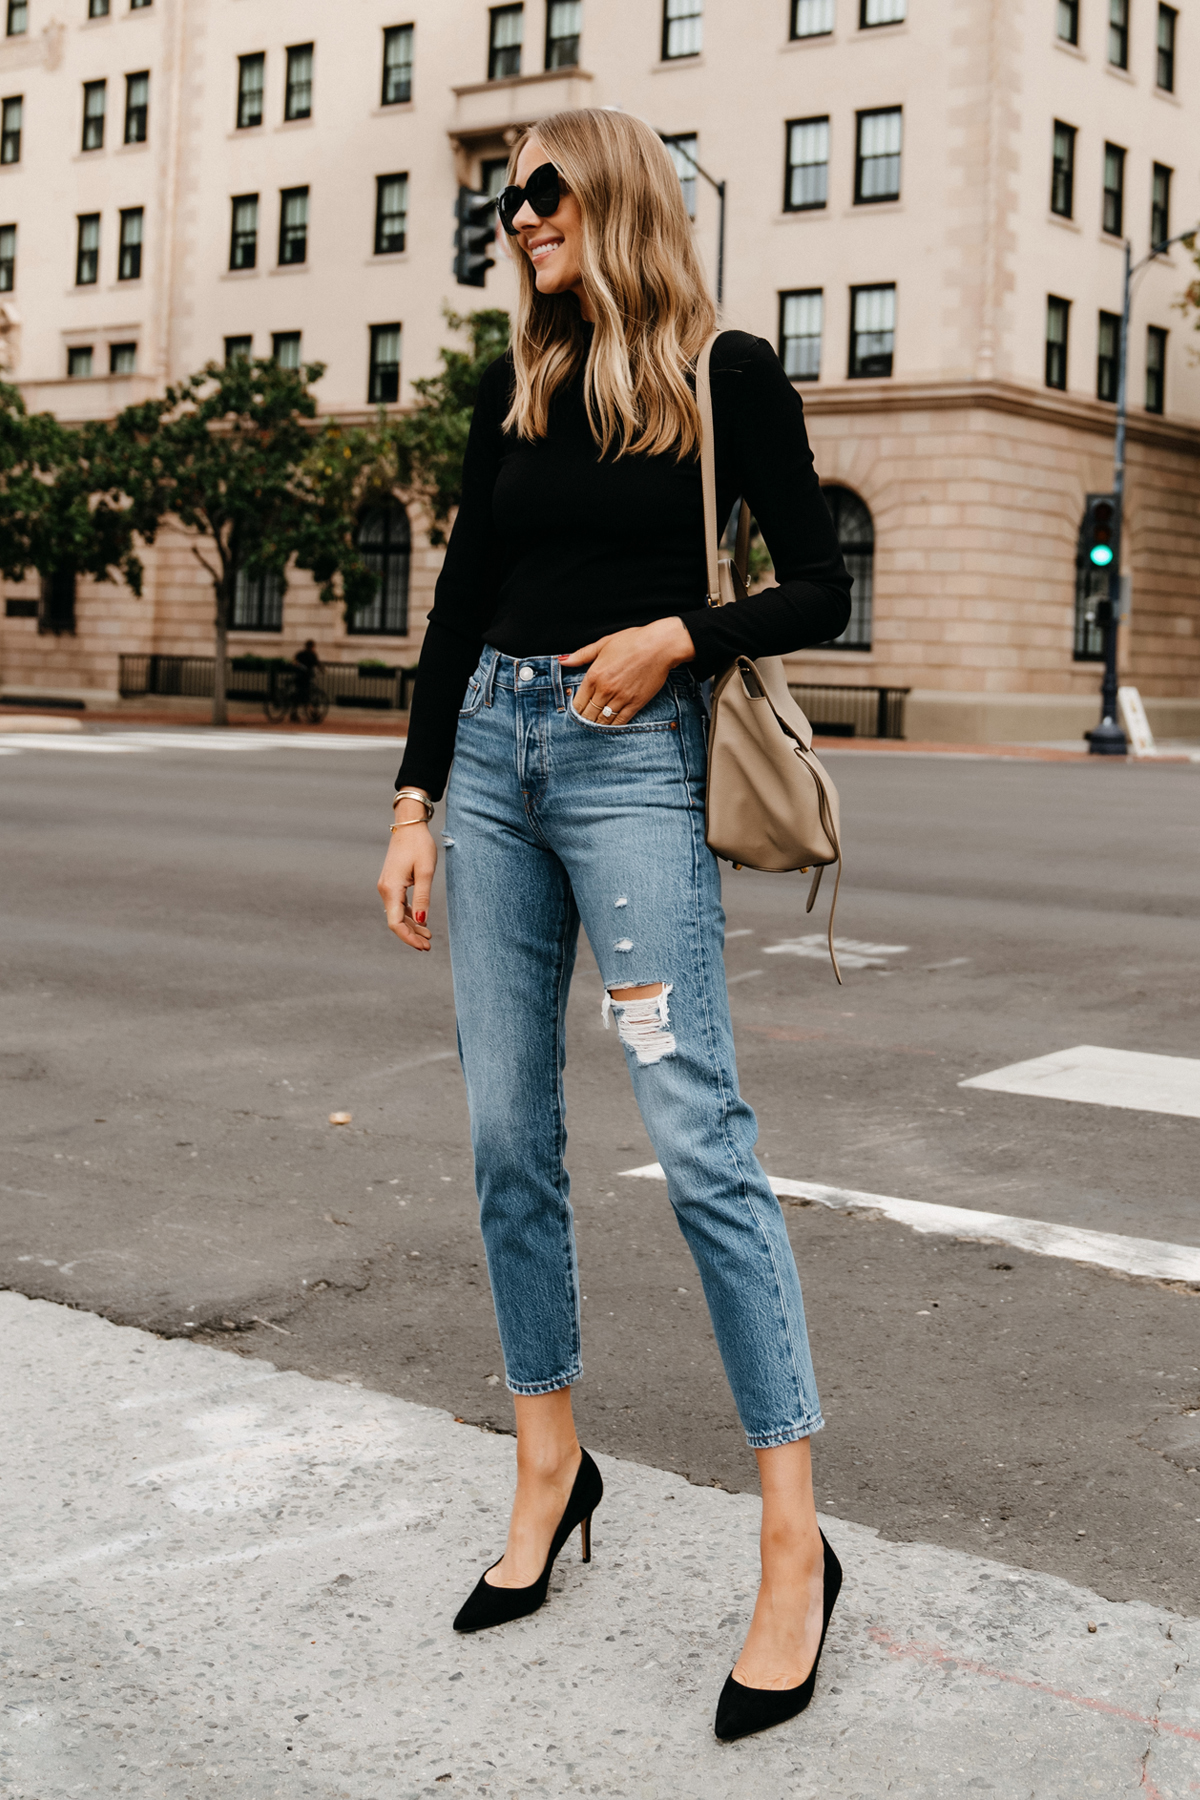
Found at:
(382, 688)
(852, 711)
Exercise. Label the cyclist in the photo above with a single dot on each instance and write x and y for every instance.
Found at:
(307, 663)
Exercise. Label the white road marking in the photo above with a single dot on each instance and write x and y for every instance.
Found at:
(1133, 1256)
(116, 743)
(852, 952)
(15, 741)
(747, 975)
(1099, 1077)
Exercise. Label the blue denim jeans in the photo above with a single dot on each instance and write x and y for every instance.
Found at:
(551, 820)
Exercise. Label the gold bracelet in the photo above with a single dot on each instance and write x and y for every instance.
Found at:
(404, 822)
(413, 794)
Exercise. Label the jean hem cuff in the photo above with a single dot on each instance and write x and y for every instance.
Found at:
(552, 1386)
(786, 1434)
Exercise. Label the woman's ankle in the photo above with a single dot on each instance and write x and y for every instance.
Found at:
(548, 1462)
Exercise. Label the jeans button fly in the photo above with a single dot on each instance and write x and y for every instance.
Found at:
(526, 674)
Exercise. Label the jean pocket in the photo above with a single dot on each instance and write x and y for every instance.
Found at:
(472, 699)
(659, 714)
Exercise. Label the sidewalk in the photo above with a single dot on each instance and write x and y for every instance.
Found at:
(220, 1580)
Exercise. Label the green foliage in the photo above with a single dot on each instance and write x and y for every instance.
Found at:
(431, 440)
(61, 506)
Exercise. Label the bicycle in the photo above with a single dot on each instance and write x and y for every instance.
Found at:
(292, 697)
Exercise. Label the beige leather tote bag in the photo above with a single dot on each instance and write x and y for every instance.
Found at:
(771, 804)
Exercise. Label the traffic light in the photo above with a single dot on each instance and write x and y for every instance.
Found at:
(474, 232)
(1098, 531)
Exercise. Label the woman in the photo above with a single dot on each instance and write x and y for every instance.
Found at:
(561, 672)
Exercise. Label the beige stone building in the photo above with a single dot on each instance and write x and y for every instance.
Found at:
(925, 205)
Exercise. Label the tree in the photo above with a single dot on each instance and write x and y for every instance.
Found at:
(234, 457)
(432, 439)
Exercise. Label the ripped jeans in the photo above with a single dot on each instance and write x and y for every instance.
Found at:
(551, 820)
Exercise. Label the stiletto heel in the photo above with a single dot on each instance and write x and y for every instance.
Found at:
(489, 1605)
(743, 1710)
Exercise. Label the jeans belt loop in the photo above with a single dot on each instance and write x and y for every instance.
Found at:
(489, 680)
(556, 682)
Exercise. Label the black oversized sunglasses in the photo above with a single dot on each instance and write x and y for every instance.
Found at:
(543, 191)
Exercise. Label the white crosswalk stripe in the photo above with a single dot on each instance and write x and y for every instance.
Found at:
(126, 743)
(1134, 1079)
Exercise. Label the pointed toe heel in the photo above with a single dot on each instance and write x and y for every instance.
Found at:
(487, 1605)
(741, 1711)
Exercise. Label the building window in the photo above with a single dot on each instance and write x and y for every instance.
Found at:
(57, 611)
(806, 181)
(97, 9)
(506, 34)
(397, 64)
(243, 235)
(293, 225)
(1062, 176)
(383, 382)
(94, 101)
(297, 99)
(252, 75)
(122, 359)
(391, 213)
(10, 129)
(1160, 205)
(1091, 584)
(285, 349)
(1165, 73)
(257, 602)
(880, 12)
(856, 539)
(18, 18)
(1108, 346)
(1156, 368)
(1067, 21)
(493, 175)
(877, 163)
(238, 349)
(129, 264)
(20, 609)
(682, 151)
(872, 330)
(1057, 315)
(564, 22)
(87, 250)
(1118, 33)
(800, 319)
(812, 18)
(683, 28)
(79, 362)
(139, 5)
(1114, 188)
(385, 544)
(137, 107)
(8, 258)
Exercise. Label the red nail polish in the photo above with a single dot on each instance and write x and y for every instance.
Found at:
(419, 917)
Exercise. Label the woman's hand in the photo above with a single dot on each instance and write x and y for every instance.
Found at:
(410, 863)
(628, 669)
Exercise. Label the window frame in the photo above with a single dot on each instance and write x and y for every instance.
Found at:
(382, 248)
(1156, 334)
(1108, 360)
(564, 38)
(854, 372)
(498, 51)
(92, 118)
(232, 355)
(682, 144)
(1069, 8)
(137, 114)
(129, 249)
(293, 85)
(1160, 210)
(1113, 203)
(8, 258)
(1164, 53)
(252, 59)
(669, 20)
(259, 596)
(784, 339)
(16, 18)
(860, 161)
(7, 134)
(386, 550)
(74, 352)
(394, 34)
(83, 220)
(114, 351)
(866, 24)
(289, 233)
(379, 371)
(281, 338)
(238, 240)
(1055, 347)
(790, 167)
(99, 9)
(1118, 33)
(796, 36)
(1064, 170)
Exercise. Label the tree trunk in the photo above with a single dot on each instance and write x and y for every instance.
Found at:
(220, 711)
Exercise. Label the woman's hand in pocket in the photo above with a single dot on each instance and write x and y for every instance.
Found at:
(410, 863)
(627, 669)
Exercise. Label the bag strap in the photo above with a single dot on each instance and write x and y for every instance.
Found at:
(708, 482)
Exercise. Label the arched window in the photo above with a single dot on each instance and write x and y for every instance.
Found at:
(386, 544)
(856, 540)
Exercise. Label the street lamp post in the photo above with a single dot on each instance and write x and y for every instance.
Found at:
(718, 188)
(1107, 738)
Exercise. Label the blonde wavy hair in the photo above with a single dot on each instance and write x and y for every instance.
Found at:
(643, 279)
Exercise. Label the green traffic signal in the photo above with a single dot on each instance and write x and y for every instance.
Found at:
(1101, 555)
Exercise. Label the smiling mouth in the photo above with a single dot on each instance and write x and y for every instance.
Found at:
(540, 252)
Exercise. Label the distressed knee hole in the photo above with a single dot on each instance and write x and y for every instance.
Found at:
(643, 1019)
(623, 944)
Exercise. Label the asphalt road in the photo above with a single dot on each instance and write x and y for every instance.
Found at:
(196, 975)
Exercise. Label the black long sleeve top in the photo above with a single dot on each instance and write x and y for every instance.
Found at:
(555, 545)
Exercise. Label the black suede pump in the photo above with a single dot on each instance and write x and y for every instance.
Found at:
(489, 1605)
(744, 1710)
